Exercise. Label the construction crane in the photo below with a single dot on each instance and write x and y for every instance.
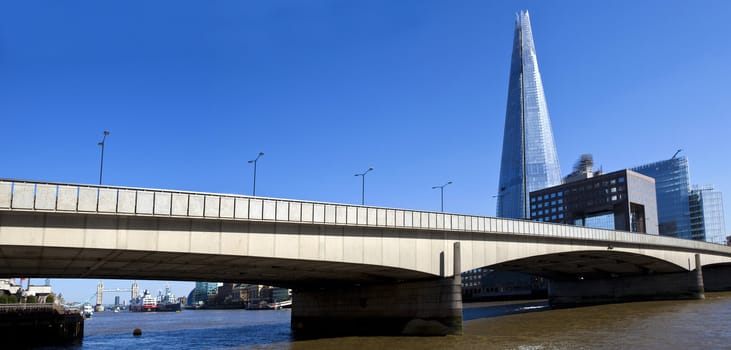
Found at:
(676, 153)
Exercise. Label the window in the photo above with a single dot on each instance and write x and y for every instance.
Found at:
(553, 195)
(621, 180)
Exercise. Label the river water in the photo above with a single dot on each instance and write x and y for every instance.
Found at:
(691, 324)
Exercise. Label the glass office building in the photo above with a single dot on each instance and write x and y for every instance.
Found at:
(672, 188)
(203, 292)
(529, 158)
(706, 215)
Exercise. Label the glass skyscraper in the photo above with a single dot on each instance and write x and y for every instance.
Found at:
(672, 188)
(706, 215)
(529, 159)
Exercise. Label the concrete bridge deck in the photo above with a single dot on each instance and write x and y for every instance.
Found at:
(70, 230)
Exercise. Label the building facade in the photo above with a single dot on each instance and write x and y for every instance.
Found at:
(707, 220)
(622, 200)
(529, 161)
(672, 187)
(529, 158)
(203, 293)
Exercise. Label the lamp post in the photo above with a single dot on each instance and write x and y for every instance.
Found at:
(254, 161)
(362, 194)
(101, 163)
(441, 190)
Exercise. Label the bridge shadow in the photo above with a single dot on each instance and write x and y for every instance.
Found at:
(480, 310)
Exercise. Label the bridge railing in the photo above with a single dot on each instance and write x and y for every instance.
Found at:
(110, 200)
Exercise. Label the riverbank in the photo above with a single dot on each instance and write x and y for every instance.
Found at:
(40, 324)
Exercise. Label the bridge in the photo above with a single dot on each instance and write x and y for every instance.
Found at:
(350, 267)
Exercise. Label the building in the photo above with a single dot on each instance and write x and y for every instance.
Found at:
(672, 187)
(529, 158)
(706, 215)
(203, 293)
(622, 200)
(683, 211)
(488, 284)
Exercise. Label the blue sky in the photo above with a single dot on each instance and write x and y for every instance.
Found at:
(191, 90)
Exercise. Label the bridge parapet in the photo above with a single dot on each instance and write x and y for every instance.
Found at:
(18, 195)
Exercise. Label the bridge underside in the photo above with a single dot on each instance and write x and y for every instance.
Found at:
(594, 277)
(28, 261)
(588, 265)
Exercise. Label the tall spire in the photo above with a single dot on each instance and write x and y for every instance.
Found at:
(529, 159)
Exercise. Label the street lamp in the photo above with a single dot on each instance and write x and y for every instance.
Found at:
(362, 194)
(101, 163)
(254, 161)
(441, 190)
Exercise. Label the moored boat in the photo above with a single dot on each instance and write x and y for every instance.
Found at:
(168, 302)
(87, 310)
(145, 302)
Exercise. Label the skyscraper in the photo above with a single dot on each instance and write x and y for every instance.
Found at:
(529, 159)
(672, 186)
(706, 215)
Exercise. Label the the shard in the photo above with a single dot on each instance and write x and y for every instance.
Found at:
(529, 159)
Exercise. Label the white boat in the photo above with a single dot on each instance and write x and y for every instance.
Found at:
(146, 302)
(87, 310)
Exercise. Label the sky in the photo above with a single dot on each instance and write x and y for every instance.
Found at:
(192, 90)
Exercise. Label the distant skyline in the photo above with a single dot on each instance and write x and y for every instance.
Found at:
(190, 91)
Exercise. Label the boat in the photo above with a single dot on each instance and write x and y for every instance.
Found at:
(168, 302)
(87, 310)
(145, 302)
(285, 304)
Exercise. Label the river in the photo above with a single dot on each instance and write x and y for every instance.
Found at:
(690, 324)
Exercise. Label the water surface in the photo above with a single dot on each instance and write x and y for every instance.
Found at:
(690, 324)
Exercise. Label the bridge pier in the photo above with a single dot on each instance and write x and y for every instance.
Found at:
(668, 286)
(420, 308)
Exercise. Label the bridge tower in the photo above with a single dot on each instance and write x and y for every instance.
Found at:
(99, 296)
(135, 290)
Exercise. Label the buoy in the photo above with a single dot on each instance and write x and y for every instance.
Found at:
(137, 332)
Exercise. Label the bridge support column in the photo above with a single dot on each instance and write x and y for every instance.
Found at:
(428, 307)
(681, 285)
